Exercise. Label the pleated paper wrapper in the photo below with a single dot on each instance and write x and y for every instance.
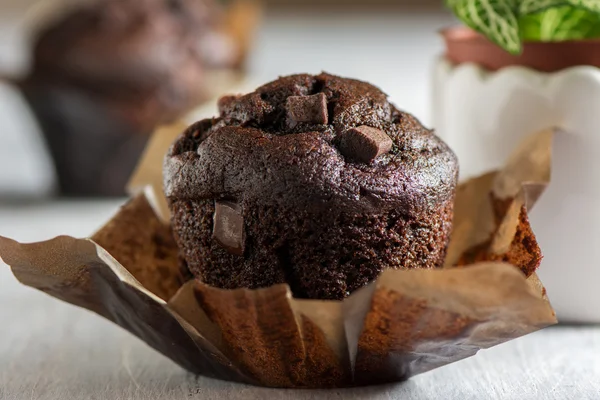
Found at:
(405, 323)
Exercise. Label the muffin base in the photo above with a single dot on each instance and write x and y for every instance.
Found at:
(322, 256)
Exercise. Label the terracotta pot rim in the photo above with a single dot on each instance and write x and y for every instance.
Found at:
(464, 45)
(464, 34)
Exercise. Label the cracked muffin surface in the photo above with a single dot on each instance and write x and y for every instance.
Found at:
(314, 181)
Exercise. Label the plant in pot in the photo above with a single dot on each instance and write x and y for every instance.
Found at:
(515, 68)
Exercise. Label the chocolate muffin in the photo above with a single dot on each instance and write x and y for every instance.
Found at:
(143, 59)
(315, 181)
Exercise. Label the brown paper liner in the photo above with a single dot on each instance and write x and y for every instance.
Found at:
(148, 177)
(240, 23)
(403, 324)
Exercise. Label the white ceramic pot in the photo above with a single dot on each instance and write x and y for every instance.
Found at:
(483, 115)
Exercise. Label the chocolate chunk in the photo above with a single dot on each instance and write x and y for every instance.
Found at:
(228, 227)
(308, 109)
(365, 143)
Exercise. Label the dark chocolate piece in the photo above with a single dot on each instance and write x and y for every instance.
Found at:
(308, 109)
(365, 143)
(228, 227)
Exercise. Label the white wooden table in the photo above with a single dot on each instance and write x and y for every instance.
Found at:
(50, 350)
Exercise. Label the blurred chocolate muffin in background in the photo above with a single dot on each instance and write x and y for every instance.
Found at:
(108, 72)
(145, 59)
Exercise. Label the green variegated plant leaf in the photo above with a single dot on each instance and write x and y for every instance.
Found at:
(534, 6)
(496, 19)
(509, 22)
(591, 5)
(559, 24)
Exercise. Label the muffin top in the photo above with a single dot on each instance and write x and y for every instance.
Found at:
(315, 142)
(128, 48)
